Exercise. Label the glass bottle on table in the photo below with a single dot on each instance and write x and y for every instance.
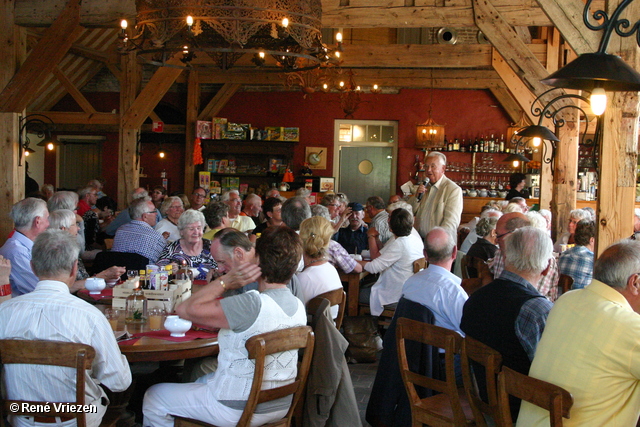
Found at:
(136, 307)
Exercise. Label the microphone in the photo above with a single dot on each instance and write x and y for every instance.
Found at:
(425, 183)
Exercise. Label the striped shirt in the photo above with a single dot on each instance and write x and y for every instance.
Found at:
(50, 312)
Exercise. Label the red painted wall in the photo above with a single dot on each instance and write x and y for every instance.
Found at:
(465, 114)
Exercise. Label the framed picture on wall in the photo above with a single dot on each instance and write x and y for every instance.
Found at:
(327, 184)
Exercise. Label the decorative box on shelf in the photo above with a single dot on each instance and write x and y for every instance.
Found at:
(178, 292)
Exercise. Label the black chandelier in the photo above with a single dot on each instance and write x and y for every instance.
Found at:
(42, 126)
(225, 30)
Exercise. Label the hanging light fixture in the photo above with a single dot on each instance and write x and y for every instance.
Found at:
(287, 30)
(599, 72)
(42, 126)
(429, 134)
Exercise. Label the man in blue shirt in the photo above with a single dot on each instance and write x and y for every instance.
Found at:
(138, 236)
(30, 218)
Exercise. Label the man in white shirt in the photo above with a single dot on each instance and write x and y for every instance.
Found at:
(50, 312)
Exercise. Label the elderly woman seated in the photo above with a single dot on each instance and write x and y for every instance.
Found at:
(219, 398)
(64, 219)
(171, 210)
(395, 263)
(485, 247)
(191, 250)
(575, 216)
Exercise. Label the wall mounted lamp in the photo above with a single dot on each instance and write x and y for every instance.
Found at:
(599, 72)
(42, 126)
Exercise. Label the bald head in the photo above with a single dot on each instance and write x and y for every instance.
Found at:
(439, 247)
(507, 224)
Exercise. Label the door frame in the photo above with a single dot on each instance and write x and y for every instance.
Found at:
(337, 146)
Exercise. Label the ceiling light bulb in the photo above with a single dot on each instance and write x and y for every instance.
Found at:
(189, 20)
(516, 163)
(339, 37)
(50, 146)
(598, 101)
(124, 24)
(325, 86)
(375, 87)
(424, 131)
(337, 54)
(285, 22)
(261, 54)
(341, 84)
(357, 87)
(536, 141)
(161, 154)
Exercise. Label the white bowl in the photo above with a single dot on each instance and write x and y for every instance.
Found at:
(177, 326)
(95, 285)
(112, 283)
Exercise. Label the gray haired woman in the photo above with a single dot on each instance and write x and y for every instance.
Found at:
(191, 250)
(171, 210)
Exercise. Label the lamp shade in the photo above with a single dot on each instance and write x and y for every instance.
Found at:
(516, 157)
(430, 135)
(592, 70)
(538, 131)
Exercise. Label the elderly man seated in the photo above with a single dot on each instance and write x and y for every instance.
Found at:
(50, 312)
(577, 262)
(354, 237)
(138, 236)
(219, 398)
(239, 222)
(30, 218)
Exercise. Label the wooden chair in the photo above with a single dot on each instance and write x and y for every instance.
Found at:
(52, 353)
(491, 361)
(335, 297)
(565, 282)
(463, 266)
(450, 408)
(419, 264)
(259, 346)
(554, 399)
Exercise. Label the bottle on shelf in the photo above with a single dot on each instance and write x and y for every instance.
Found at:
(456, 145)
(476, 147)
(136, 307)
(492, 145)
(501, 146)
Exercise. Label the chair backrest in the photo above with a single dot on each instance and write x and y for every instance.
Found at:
(55, 353)
(335, 297)
(131, 261)
(491, 361)
(463, 266)
(554, 399)
(419, 264)
(565, 282)
(434, 336)
(259, 346)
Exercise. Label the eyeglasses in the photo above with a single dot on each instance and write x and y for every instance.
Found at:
(153, 212)
(500, 236)
(198, 195)
(335, 205)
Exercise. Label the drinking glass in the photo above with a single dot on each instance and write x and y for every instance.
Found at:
(156, 318)
(112, 315)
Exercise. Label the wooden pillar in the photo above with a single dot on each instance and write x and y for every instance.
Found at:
(128, 161)
(619, 149)
(193, 107)
(546, 182)
(12, 53)
(565, 171)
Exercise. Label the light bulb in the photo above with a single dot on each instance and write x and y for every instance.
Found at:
(357, 88)
(516, 163)
(26, 153)
(337, 54)
(424, 131)
(50, 146)
(261, 54)
(536, 141)
(341, 84)
(285, 22)
(339, 37)
(598, 101)
(124, 24)
(325, 86)
(189, 21)
(161, 154)
(375, 87)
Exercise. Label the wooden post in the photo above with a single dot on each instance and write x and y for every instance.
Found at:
(128, 162)
(193, 108)
(565, 171)
(619, 149)
(12, 53)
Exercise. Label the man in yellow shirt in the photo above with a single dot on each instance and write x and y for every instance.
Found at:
(591, 345)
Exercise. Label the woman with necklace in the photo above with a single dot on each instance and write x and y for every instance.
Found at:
(318, 276)
(171, 210)
(191, 250)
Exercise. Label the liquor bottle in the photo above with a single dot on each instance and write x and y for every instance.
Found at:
(144, 284)
(172, 276)
(476, 148)
(462, 147)
(501, 147)
(456, 145)
(136, 307)
(492, 145)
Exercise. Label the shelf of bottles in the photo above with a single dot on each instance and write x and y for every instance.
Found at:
(479, 162)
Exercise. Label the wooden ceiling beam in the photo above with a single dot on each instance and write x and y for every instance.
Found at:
(359, 14)
(566, 15)
(152, 93)
(51, 48)
(71, 118)
(508, 102)
(218, 101)
(73, 91)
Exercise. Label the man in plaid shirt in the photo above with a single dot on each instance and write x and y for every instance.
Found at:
(577, 262)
